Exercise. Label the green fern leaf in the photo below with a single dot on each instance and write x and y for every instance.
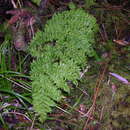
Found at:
(61, 52)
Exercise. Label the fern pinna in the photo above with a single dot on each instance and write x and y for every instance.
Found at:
(61, 52)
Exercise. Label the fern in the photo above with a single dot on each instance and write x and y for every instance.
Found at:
(61, 52)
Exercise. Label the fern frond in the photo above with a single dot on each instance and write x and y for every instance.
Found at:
(61, 51)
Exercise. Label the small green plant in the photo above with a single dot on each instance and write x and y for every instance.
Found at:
(90, 3)
(36, 1)
(61, 52)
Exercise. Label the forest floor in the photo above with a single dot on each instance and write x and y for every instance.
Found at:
(101, 101)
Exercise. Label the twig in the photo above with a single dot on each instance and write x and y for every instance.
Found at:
(33, 123)
(17, 113)
(13, 3)
(101, 115)
(98, 83)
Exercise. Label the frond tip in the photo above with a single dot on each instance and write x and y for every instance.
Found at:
(61, 51)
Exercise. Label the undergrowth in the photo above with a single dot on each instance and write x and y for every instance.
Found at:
(62, 52)
(12, 80)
